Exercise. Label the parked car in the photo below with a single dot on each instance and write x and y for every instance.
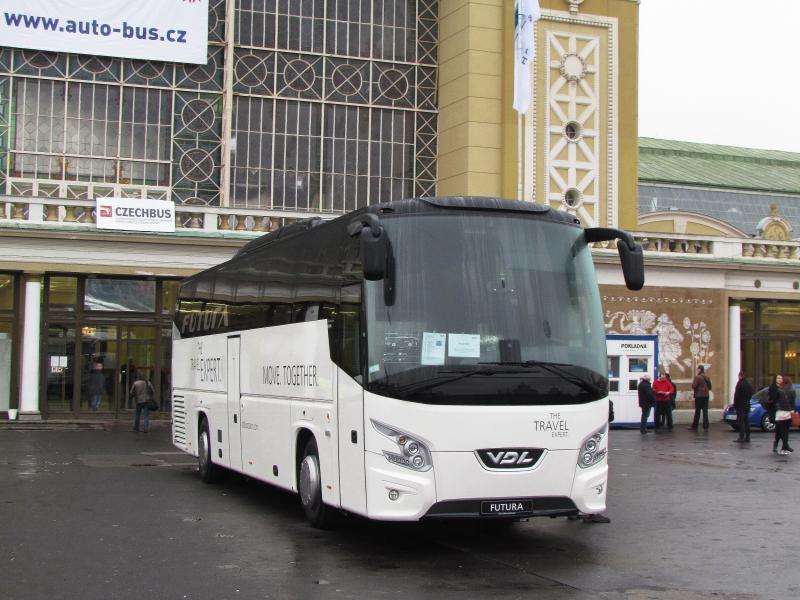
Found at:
(758, 414)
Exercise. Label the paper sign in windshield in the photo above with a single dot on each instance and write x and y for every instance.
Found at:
(464, 345)
(433, 348)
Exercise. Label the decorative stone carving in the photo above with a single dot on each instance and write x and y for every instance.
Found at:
(574, 6)
(572, 67)
(574, 181)
(774, 227)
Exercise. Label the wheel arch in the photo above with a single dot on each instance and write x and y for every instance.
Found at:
(301, 439)
(202, 416)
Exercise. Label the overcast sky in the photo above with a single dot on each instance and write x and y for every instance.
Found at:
(721, 72)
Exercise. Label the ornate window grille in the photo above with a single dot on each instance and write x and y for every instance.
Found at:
(331, 105)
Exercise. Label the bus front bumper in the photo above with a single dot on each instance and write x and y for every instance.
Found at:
(458, 486)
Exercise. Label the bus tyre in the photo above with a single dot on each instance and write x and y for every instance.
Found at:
(309, 484)
(209, 472)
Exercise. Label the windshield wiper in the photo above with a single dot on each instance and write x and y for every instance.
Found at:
(557, 369)
(413, 388)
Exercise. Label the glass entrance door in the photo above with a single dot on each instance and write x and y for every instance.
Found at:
(138, 359)
(99, 368)
(59, 365)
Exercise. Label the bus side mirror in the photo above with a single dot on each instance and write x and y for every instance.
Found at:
(373, 245)
(630, 253)
(373, 254)
(632, 260)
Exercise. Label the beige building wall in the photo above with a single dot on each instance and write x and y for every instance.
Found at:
(478, 141)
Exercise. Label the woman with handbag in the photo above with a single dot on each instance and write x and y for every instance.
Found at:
(142, 391)
(783, 416)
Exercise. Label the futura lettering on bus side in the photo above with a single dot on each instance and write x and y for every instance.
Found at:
(206, 320)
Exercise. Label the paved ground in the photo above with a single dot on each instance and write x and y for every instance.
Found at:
(97, 514)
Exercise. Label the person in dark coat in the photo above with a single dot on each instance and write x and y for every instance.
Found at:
(741, 401)
(701, 386)
(142, 391)
(647, 398)
(97, 383)
(674, 395)
(783, 417)
(774, 394)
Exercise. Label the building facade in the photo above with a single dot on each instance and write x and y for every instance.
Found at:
(301, 109)
(322, 106)
(732, 213)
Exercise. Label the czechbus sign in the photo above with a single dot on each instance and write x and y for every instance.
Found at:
(165, 30)
(135, 214)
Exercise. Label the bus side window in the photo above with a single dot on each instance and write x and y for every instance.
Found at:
(282, 314)
(311, 311)
(329, 312)
(298, 312)
(349, 339)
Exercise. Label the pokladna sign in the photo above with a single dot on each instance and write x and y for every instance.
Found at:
(167, 30)
(130, 214)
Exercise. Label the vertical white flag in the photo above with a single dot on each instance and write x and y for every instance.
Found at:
(526, 13)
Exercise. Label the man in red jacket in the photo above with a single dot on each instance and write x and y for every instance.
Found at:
(663, 389)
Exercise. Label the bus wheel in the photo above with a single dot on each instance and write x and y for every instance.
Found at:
(209, 472)
(309, 484)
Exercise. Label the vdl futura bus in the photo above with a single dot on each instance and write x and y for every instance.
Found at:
(428, 358)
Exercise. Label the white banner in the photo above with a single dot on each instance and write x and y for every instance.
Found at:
(167, 30)
(526, 13)
(132, 214)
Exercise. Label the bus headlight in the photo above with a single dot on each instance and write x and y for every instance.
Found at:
(411, 452)
(593, 449)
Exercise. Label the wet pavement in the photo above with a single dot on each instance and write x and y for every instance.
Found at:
(114, 514)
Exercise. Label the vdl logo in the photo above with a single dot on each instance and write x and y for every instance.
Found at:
(510, 458)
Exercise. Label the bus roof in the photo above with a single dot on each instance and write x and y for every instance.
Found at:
(411, 206)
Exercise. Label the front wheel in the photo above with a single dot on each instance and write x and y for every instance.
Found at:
(209, 472)
(766, 424)
(309, 484)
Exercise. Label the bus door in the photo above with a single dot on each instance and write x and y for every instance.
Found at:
(352, 482)
(350, 403)
(234, 404)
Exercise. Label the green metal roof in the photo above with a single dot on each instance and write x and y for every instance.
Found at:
(708, 165)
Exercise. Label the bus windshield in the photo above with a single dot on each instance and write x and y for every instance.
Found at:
(486, 309)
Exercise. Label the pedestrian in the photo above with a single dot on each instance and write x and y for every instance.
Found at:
(783, 417)
(142, 391)
(701, 386)
(646, 400)
(96, 385)
(663, 390)
(773, 397)
(742, 394)
(674, 395)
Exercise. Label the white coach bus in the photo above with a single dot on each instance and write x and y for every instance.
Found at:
(428, 358)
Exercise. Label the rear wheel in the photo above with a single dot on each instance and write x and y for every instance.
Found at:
(209, 472)
(766, 424)
(309, 484)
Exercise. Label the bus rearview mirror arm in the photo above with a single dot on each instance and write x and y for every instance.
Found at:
(630, 253)
(369, 230)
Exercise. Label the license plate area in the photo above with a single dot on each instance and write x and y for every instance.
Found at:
(506, 508)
